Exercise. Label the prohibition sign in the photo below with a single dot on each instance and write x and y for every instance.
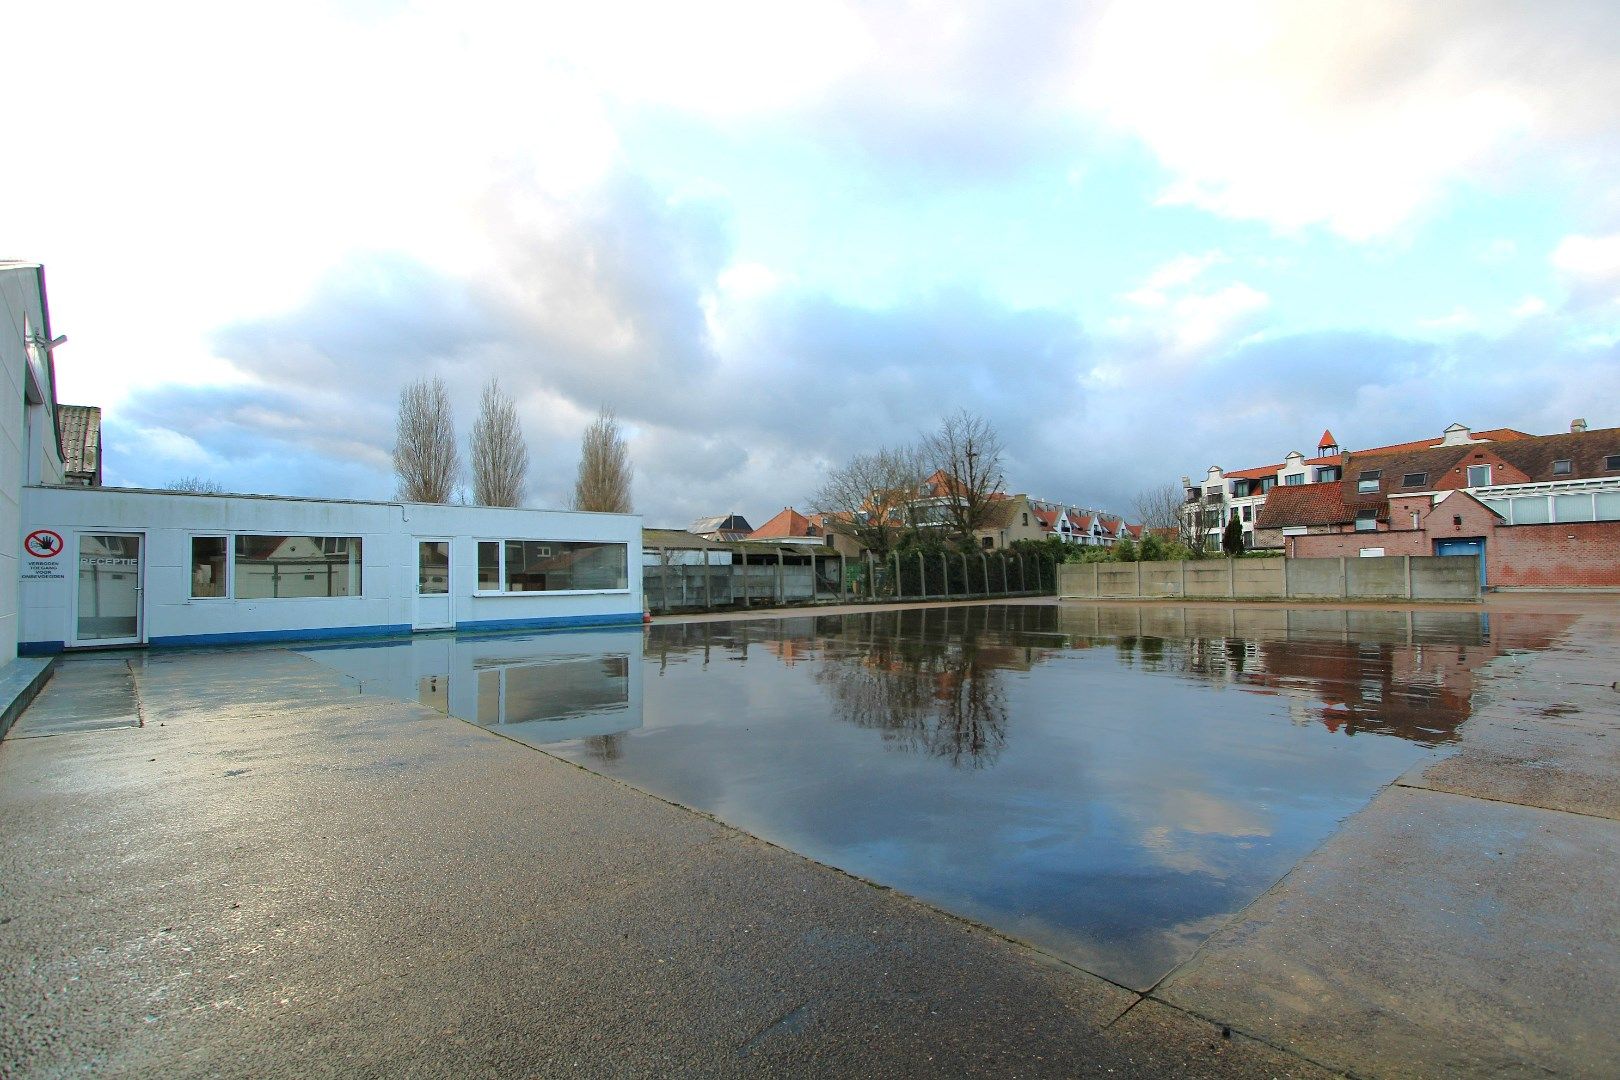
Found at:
(43, 544)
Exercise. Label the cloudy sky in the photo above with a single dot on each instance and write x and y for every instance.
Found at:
(1140, 237)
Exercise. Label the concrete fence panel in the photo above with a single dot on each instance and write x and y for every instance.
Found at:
(1445, 577)
(1421, 577)
(1385, 577)
(1209, 578)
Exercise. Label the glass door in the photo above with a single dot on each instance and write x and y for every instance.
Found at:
(110, 589)
(433, 610)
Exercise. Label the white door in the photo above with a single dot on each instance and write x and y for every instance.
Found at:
(432, 585)
(110, 589)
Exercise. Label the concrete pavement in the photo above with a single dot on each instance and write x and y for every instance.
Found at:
(275, 875)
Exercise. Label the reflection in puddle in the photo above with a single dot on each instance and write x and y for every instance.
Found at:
(1109, 782)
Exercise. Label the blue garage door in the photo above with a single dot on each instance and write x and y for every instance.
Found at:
(1464, 547)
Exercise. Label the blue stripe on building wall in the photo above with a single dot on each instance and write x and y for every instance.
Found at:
(554, 622)
(251, 637)
(258, 637)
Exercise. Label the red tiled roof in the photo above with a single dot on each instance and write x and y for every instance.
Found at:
(1304, 504)
(787, 523)
(1327, 439)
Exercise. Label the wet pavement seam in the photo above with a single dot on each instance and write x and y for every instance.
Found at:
(1503, 802)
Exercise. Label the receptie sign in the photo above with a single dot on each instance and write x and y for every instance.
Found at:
(43, 550)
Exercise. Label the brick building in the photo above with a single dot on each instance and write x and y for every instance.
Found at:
(1543, 511)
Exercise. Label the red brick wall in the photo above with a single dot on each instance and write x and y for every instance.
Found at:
(1545, 556)
(1457, 477)
(1516, 556)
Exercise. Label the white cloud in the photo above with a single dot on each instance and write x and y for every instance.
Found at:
(1529, 307)
(1182, 270)
(1590, 267)
(1355, 114)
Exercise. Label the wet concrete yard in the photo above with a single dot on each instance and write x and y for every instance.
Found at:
(1225, 840)
(1109, 798)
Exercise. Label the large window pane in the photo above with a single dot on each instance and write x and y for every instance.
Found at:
(1573, 507)
(208, 566)
(297, 566)
(553, 566)
(1608, 505)
(1530, 511)
(489, 566)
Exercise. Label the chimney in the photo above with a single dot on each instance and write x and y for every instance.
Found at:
(1577, 426)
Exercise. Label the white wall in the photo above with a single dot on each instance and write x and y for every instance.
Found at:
(388, 533)
(28, 444)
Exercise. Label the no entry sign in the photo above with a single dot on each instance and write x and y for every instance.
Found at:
(43, 544)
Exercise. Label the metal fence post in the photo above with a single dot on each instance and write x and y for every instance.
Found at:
(843, 578)
(922, 576)
(781, 585)
(945, 574)
(899, 590)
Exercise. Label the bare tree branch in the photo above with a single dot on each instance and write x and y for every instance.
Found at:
(1165, 507)
(425, 458)
(604, 468)
(872, 497)
(499, 455)
(195, 484)
(966, 450)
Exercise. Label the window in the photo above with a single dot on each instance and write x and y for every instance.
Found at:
(1367, 482)
(1414, 479)
(1240, 488)
(1572, 507)
(432, 567)
(1248, 513)
(525, 566)
(1531, 511)
(1479, 475)
(1372, 553)
(1294, 479)
(1267, 483)
(1561, 467)
(1612, 462)
(1327, 474)
(989, 542)
(280, 567)
(1366, 521)
(209, 567)
(1026, 520)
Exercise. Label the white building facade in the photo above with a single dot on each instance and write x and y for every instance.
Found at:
(111, 566)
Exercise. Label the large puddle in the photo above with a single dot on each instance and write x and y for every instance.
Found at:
(1109, 783)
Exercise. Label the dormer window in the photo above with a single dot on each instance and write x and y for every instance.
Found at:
(1561, 467)
(1414, 479)
(1366, 521)
(1294, 479)
(1367, 482)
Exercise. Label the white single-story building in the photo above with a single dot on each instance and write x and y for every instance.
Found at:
(119, 566)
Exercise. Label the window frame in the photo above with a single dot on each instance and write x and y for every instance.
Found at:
(1372, 477)
(1468, 476)
(1568, 467)
(1407, 480)
(500, 543)
(1370, 516)
(1293, 479)
(230, 566)
(1611, 463)
(359, 566)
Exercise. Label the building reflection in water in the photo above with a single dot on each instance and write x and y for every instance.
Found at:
(931, 680)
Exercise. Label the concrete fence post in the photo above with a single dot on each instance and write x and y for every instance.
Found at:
(1138, 579)
(1407, 559)
(1183, 592)
(1231, 578)
(984, 564)
(708, 580)
(663, 577)
(967, 582)
(1023, 583)
(1344, 577)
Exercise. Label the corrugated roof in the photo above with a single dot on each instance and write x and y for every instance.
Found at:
(80, 427)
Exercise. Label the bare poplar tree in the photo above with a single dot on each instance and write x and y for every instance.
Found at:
(873, 497)
(500, 457)
(425, 458)
(604, 468)
(967, 450)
